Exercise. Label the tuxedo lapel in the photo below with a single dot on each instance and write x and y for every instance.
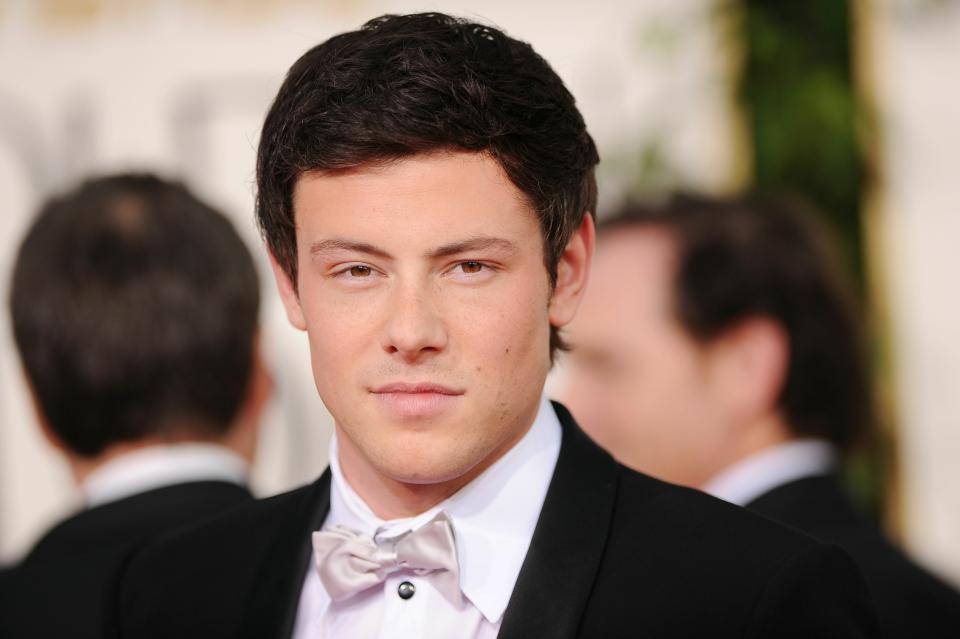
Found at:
(272, 609)
(568, 543)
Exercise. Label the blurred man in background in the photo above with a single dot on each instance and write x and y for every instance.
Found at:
(135, 314)
(717, 348)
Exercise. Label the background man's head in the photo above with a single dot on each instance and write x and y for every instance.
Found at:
(134, 311)
(711, 330)
(437, 103)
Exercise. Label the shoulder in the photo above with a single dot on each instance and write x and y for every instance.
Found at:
(115, 525)
(243, 528)
(910, 599)
(656, 512)
(679, 549)
(252, 515)
(206, 572)
(72, 567)
(650, 507)
(66, 572)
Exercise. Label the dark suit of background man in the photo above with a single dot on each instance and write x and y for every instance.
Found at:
(135, 313)
(717, 347)
(425, 188)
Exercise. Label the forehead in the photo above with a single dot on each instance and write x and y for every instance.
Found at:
(422, 199)
(644, 257)
(632, 277)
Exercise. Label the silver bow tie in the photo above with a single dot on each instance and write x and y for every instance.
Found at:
(349, 562)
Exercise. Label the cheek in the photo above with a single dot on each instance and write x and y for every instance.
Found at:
(675, 404)
(503, 339)
(338, 319)
(509, 318)
(505, 344)
(339, 332)
(330, 330)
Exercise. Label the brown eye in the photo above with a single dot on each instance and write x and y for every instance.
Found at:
(360, 271)
(471, 267)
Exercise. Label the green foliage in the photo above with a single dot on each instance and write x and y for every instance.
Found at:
(803, 111)
(805, 123)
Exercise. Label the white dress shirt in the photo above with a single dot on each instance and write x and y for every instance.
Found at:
(493, 519)
(757, 474)
(162, 465)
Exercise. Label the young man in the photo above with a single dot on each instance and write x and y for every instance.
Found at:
(717, 348)
(135, 312)
(425, 190)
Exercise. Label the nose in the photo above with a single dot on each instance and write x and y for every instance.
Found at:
(415, 328)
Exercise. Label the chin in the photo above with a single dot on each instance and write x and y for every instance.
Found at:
(423, 459)
(425, 474)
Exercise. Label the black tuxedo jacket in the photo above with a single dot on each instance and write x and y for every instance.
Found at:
(58, 589)
(614, 554)
(910, 601)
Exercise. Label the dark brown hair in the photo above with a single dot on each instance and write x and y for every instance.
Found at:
(134, 310)
(764, 256)
(403, 85)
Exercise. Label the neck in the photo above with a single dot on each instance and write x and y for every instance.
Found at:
(771, 430)
(82, 467)
(392, 499)
(764, 433)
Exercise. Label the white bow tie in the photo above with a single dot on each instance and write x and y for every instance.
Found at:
(349, 562)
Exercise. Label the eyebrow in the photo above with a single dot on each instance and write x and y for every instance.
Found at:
(329, 246)
(480, 243)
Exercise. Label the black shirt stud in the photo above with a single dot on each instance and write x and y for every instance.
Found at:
(406, 590)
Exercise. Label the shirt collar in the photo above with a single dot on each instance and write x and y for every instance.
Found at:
(162, 465)
(492, 516)
(760, 473)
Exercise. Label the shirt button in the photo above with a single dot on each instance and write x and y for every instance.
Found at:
(406, 590)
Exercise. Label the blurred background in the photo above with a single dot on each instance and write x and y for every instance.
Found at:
(852, 105)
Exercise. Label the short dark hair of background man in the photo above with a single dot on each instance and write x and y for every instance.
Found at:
(732, 323)
(135, 312)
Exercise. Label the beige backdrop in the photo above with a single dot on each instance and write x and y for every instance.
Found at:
(181, 87)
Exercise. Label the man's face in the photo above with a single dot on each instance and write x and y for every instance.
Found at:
(640, 385)
(423, 291)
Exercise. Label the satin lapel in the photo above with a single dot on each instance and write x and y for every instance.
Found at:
(273, 604)
(568, 543)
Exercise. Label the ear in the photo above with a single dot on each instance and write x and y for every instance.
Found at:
(754, 356)
(288, 294)
(572, 273)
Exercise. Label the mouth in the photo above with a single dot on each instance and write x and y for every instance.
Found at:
(416, 400)
(415, 389)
